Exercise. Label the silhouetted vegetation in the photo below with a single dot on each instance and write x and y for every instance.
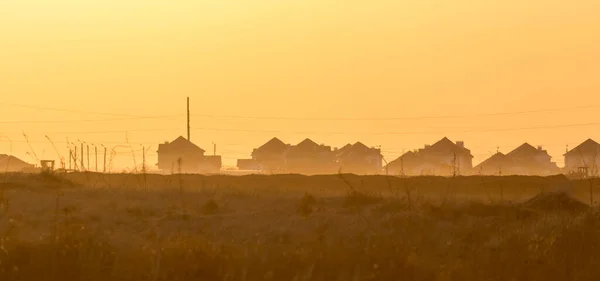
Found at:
(243, 228)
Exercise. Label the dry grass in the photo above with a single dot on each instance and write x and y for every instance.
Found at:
(113, 227)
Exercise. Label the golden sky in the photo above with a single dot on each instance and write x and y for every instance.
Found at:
(306, 68)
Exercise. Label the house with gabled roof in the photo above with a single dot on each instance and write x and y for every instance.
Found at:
(523, 160)
(443, 158)
(529, 160)
(584, 158)
(12, 164)
(358, 158)
(308, 157)
(181, 155)
(494, 165)
(269, 157)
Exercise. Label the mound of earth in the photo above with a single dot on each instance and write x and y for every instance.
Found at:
(555, 201)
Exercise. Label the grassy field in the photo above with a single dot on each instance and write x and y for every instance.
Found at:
(86, 226)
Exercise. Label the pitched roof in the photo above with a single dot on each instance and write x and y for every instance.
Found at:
(360, 145)
(496, 159)
(306, 143)
(588, 146)
(273, 144)
(357, 148)
(180, 143)
(408, 155)
(447, 144)
(344, 149)
(524, 150)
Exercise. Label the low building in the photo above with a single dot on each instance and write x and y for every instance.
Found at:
(584, 158)
(359, 159)
(271, 156)
(308, 157)
(184, 156)
(529, 160)
(443, 158)
(523, 160)
(493, 165)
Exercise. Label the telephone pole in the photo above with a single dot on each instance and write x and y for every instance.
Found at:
(75, 158)
(143, 160)
(87, 147)
(82, 166)
(96, 157)
(104, 169)
(188, 119)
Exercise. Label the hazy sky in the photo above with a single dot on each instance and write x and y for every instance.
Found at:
(305, 62)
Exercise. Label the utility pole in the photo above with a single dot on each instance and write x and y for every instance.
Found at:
(88, 155)
(82, 166)
(215, 149)
(75, 159)
(188, 119)
(104, 169)
(96, 157)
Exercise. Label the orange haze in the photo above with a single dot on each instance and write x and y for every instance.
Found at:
(303, 62)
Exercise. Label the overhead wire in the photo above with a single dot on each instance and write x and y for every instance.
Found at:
(398, 118)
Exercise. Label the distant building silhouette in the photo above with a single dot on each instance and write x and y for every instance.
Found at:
(583, 158)
(308, 157)
(523, 160)
(182, 155)
(443, 158)
(270, 157)
(9, 163)
(498, 164)
(359, 159)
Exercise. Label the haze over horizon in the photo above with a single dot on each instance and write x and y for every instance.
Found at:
(381, 72)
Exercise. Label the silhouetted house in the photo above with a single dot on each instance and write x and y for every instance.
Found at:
(494, 165)
(9, 163)
(308, 157)
(443, 158)
(184, 156)
(396, 167)
(584, 158)
(270, 157)
(359, 159)
(528, 160)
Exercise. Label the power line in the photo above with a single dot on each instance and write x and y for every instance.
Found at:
(88, 120)
(340, 133)
(407, 132)
(113, 131)
(71, 110)
(397, 118)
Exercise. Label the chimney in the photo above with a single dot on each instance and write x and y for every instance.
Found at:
(539, 147)
(460, 143)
